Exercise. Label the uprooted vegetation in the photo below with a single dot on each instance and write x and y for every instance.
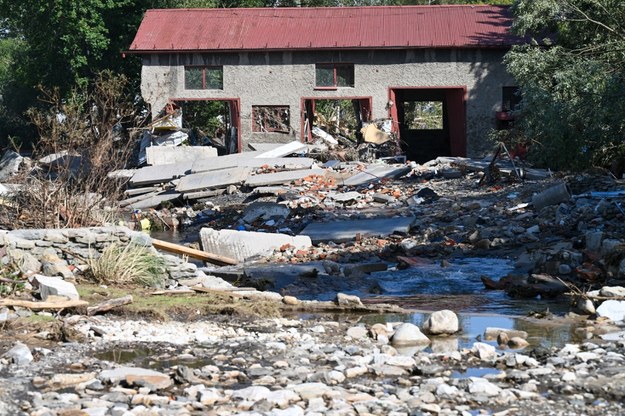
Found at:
(82, 139)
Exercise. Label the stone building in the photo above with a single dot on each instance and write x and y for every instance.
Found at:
(435, 71)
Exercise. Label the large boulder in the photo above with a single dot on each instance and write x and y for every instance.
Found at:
(409, 334)
(443, 322)
(54, 286)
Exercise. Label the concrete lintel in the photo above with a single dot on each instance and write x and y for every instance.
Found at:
(154, 200)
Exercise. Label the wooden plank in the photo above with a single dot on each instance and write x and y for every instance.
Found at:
(109, 304)
(216, 292)
(191, 252)
(43, 305)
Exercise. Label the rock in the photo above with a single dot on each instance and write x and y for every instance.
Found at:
(380, 329)
(308, 391)
(503, 338)
(20, 354)
(517, 343)
(484, 351)
(290, 300)
(585, 307)
(491, 333)
(136, 375)
(407, 334)
(334, 377)
(357, 332)
(593, 241)
(26, 261)
(612, 309)
(331, 267)
(349, 301)
(443, 322)
(612, 291)
(265, 211)
(253, 394)
(478, 385)
(54, 286)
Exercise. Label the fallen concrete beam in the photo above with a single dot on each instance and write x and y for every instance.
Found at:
(285, 150)
(159, 174)
(213, 179)
(167, 155)
(204, 194)
(245, 245)
(374, 173)
(205, 165)
(222, 162)
(152, 200)
(342, 231)
(280, 178)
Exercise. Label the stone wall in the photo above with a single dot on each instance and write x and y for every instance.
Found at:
(62, 252)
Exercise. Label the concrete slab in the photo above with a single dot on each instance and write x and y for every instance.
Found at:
(153, 200)
(213, 179)
(342, 231)
(280, 178)
(224, 162)
(167, 155)
(245, 245)
(221, 162)
(376, 172)
(204, 194)
(264, 147)
(285, 150)
(159, 174)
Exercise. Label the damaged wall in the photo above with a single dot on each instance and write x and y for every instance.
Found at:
(284, 78)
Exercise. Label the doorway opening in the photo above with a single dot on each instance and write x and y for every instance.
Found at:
(212, 122)
(431, 122)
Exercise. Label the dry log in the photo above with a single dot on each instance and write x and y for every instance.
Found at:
(43, 305)
(109, 304)
(217, 292)
(191, 252)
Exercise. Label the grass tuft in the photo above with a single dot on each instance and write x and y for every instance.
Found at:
(127, 264)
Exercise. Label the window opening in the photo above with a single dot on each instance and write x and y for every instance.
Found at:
(334, 75)
(203, 77)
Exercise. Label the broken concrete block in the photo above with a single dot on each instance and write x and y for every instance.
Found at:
(10, 164)
(20, 354)
(341, 231)
(248, 160)
(265, 211)
(243, 245)
(374, 173)
(166, 155)
(54, 286)
(214, 179)
(279, 178)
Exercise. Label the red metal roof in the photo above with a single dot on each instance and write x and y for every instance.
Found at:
(461, 26)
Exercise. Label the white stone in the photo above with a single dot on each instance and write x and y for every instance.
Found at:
(612, 309)
(54, 286)
(401, 361)
(334, 377)
(480, 385)
(310, 390)
(282, 398)
(357, 332)
(612, 291)
(20, 354)
(408, 333)
(484, 351)
(446, 390)
(253, 394)
(441, 322)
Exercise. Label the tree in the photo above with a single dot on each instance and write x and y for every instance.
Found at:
(572, 80)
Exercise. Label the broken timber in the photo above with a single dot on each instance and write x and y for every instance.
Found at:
(191, 252)
(43, 305)
(109, 304)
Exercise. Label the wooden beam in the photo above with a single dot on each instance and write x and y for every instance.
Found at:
(191, 252)
(43, 305)
(109, 304)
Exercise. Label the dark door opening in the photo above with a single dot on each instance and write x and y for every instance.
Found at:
(212, 122)
(430, 121)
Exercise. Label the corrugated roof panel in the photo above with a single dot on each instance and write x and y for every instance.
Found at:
(323, 28)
